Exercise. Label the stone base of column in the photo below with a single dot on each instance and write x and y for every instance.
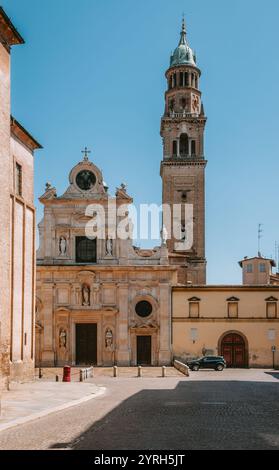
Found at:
(48, 359)
(165, 358)
(123, 358)
(22, 371)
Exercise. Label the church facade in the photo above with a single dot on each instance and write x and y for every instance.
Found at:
(99, 299)
(102, 300)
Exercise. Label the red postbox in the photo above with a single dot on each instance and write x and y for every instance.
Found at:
(67, 374)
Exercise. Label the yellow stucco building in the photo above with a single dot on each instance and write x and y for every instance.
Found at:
(240, 323)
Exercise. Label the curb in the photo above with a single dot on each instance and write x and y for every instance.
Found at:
(42, 414)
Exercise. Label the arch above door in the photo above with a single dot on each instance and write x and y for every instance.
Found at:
(233, 345)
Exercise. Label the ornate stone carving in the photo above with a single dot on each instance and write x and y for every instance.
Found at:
(62, 246)
(164, 235)
(109, 247)
(85, 295)
(62, 338)
(109, 339)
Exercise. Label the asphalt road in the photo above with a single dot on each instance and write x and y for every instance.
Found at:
(228, 410)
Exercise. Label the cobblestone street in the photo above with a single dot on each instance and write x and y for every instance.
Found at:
(236, 409)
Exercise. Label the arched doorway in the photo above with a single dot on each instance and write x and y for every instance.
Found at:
(234, 347)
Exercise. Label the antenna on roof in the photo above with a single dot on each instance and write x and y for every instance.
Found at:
(260, 236)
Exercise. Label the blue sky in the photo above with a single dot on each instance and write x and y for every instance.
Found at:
(92, 73)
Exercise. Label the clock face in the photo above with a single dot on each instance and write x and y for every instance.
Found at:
(86, 180)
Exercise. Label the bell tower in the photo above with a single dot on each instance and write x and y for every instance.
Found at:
(183, 165)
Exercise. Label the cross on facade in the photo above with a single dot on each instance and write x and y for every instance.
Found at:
(85, 152)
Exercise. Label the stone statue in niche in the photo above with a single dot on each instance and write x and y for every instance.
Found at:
(62, 246)
(164, 235)
(109, 339)
(85, 296)
(62, 338)
(109, 247)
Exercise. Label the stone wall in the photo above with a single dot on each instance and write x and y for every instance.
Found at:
(4, 214)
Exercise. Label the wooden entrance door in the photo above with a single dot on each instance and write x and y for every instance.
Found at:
(86, 343)
(144, 350)
(233, 350)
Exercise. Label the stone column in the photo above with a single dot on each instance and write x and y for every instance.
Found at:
(165, 324)
(122, 339)
(48, 356)
(48, 233)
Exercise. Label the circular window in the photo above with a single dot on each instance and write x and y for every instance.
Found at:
(144, 308)
(85, 180)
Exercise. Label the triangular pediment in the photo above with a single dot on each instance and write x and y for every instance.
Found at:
(271, 299)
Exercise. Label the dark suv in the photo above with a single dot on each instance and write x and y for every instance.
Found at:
(208, 362)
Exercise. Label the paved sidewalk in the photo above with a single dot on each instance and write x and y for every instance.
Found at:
(29, 401)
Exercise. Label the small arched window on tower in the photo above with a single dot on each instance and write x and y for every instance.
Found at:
(186, 78)
(193, 80)
(183, 103)
(170, 83)
(184, 145)
(181, 79)
(174, 80)
(174, 148)
(193, 147)
(171, 104)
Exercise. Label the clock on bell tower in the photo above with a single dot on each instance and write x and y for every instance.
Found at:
(183, 165)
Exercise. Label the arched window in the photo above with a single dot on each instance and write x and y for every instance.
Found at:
(186, 78)
(174, 80)
(184, 144)
(193, 147)
(181, 79)
(174, 148)
(183, 103)
(171, 104)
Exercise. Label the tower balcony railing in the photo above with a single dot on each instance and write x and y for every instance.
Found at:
(184, 156)
(182, 115)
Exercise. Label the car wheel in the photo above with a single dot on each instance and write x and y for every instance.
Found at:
(220, 367)
(196, 368)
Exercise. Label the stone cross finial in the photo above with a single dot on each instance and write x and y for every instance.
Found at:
(86, 153)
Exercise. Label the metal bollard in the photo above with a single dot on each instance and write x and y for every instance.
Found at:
(139, 371)
(115, 371)
(164, 371)
(81, 375)
(40, 373)
(57, 378)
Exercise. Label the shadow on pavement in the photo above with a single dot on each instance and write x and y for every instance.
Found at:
(273, 374)
(194, 415)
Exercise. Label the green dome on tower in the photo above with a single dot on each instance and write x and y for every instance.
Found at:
(183, 54)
